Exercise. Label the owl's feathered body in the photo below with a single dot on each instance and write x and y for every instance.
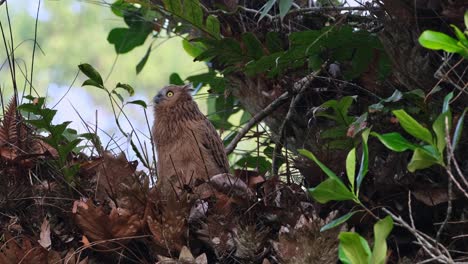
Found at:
(188, 146)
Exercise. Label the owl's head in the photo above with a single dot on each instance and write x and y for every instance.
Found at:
(172, 95)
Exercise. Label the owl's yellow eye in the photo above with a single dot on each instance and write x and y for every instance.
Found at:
(169, 94)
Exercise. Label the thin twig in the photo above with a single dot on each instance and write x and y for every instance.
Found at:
(299, 87)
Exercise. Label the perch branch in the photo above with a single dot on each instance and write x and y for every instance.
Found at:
(257, 118)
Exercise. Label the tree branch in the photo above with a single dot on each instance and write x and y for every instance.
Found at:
(257, 118)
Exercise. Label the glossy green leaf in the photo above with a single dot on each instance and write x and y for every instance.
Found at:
(395, 97)
(351, 167)
(212, 26)
(120, 6)
(458, 129)
(461, 37)
(413, 127)
(311, 156)
(381, 231)
(193, 48)
(126, 39)
(439, 41)
(92, 74)
(422, 159)
(337, 222)
(139, 102)
(439, 128)
(175, 79)
(394, 141)
(266, 8)
(363, 168)
(342, 256)
(273, 42)
(466, 19)
(193, 12)
(90, 82)
(440, 125)
(331, 190)
(355, 248)
(284, 6)
(143, 60)
(173, 6)
(126, 87)
(253, 45)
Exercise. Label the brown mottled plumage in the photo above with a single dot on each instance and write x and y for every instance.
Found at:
(188, 146)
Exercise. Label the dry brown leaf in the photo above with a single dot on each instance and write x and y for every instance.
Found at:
(45, 240)
(186, 255)
(17, 144)
(202, 259)
(432, 196)
(114, 176)
(85, 242)
(306, 244)
(21, 250)
(97, 225)
(167, 221)
(72, 257)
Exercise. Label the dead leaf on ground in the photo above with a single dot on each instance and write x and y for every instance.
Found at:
(45, 240)
(433, 196)
(21, 250)
(100, 226)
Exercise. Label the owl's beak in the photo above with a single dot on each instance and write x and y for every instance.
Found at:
(157, 99)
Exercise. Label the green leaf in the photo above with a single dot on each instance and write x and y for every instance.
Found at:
(446, 104)
(461, 37)
(273, 42)
(120, 6)
(173, 6)
(126, 39)
(395, 97)
(118, 95)
(466, 19)
(337, 221)
(439, 125)
(363, 168)
(381, 231)
(439, 129)
(394, 141)
(175, 79)
(253, 45)
(351, 167)
(422, 159)
(412, 126)
(212, 26)
(193, 12)
(331, 190)
(92, 74)
(143, 60)
(259, 163)
(459, 127)
(284, 6)
(311, 156)
(266, 8)
(139, 102)
(126, 87)
(90, 82)
(342, 256)
(439, 41)
(193, 48)
(355, 248)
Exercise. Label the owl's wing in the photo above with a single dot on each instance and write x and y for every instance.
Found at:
(212, 142)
